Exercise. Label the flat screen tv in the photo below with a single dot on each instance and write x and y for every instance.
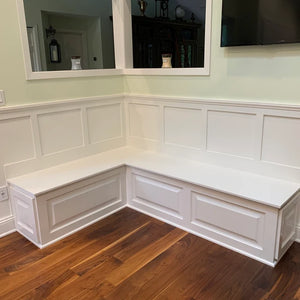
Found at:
(260, 22)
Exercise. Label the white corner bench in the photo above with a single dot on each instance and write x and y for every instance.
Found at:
(248, 213)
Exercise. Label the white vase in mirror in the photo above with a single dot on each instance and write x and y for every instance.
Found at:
(166, 60)
(76, 63)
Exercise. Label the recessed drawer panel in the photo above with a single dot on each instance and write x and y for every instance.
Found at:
(68, 207)
(228, 219)
(157, 194)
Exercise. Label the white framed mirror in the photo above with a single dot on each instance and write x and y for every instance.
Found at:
(64, 38)
(171, 37)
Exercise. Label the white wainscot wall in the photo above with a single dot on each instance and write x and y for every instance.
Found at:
(39, 136)
(254, 137)
(260, 138)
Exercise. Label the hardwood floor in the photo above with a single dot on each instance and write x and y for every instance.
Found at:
(132, 256)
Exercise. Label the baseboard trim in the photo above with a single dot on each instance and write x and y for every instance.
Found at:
(7, 226)
(77, 229)
(271, 264)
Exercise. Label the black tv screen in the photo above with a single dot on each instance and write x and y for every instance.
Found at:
(260, 22)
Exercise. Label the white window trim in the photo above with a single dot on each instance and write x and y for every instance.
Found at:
(123, 48)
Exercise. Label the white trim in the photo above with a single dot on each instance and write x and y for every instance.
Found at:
(37, 51)
(7, 226)
(75, 230)
(168, 72)
(52, 104)
(221, 102)
(122, 34)
(205, 71)
(52, 74)
(72, 74)
(122, 45)
(203, 236)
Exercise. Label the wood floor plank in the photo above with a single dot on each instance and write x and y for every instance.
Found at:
(141, 247)
(125, 246)
(75, 250)
(199, 280)
(133, 256)
(161, 271)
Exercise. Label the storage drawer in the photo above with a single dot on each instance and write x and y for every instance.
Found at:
(247, 227)
(67, 209)
(158, 195)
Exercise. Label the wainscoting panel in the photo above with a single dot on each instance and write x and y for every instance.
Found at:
(44, 135)
(104, 123)
(231, 133)
(60, 131)
(281, 140)
(183, 126)
(16, 140)
(253, 137)
(144, 121)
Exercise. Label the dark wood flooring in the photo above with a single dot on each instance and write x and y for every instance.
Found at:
(132, 256)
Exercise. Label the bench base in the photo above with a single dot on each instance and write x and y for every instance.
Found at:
(254, 229)
(52, 216)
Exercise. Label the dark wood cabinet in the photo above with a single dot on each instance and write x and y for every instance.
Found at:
(153, 37)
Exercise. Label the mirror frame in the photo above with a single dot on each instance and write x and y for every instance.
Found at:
(122, 28)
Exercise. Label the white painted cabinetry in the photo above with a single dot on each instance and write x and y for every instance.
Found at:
(50, 216)
(254, 229)
(248, 213)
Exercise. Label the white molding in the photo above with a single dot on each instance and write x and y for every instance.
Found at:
(168, 72)
(57, 103)
(220, 102)
(205, 71)
(72, 74)
(30, 75)
(203, 236)
(121, 11)
(231, 157)
(122, 34)
(7, 226)
(40, 160)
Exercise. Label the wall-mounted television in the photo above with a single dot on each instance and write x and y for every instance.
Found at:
(260, 22)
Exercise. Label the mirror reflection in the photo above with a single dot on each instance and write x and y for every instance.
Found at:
(168, 33)
(70, 34)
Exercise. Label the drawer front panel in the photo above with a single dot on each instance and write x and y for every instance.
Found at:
(157, 195)
(67, 208)
(70, 208)
(228, 219)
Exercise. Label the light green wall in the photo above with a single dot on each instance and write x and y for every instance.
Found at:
(270, 73)
(258, 73)
(12, 72)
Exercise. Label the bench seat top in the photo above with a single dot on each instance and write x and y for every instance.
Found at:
(262, 189)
